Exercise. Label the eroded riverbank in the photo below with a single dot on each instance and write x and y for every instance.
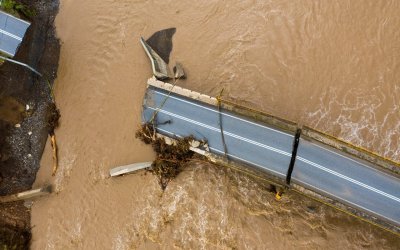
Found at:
(21, 147)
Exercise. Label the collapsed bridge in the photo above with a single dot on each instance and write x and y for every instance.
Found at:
(306, 159)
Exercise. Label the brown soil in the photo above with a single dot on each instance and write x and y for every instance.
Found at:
(21, 146)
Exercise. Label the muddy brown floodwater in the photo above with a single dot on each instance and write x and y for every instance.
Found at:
(332, 65)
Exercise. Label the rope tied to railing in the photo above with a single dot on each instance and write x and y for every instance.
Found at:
(163, 102)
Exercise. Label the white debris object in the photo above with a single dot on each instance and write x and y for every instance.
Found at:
(194, 143)
(129, 168)
(26, 194)
(168, 141)
(17, 125)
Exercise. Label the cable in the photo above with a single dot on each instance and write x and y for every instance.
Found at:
(220, 123)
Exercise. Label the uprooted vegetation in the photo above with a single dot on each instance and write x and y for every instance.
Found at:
(171, 157)
(52, 118)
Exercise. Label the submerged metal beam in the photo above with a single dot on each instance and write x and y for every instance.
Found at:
(317, 166)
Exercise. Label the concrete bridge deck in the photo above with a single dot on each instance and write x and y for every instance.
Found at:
(12, 31)
(318, 167)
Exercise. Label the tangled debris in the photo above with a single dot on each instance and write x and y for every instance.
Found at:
(53, 115)
(171, 157)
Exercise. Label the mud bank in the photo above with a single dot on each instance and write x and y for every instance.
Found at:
(21, 146)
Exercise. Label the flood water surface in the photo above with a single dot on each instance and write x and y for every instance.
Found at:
(331, 65)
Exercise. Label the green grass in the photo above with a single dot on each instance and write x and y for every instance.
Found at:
(14, 7)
